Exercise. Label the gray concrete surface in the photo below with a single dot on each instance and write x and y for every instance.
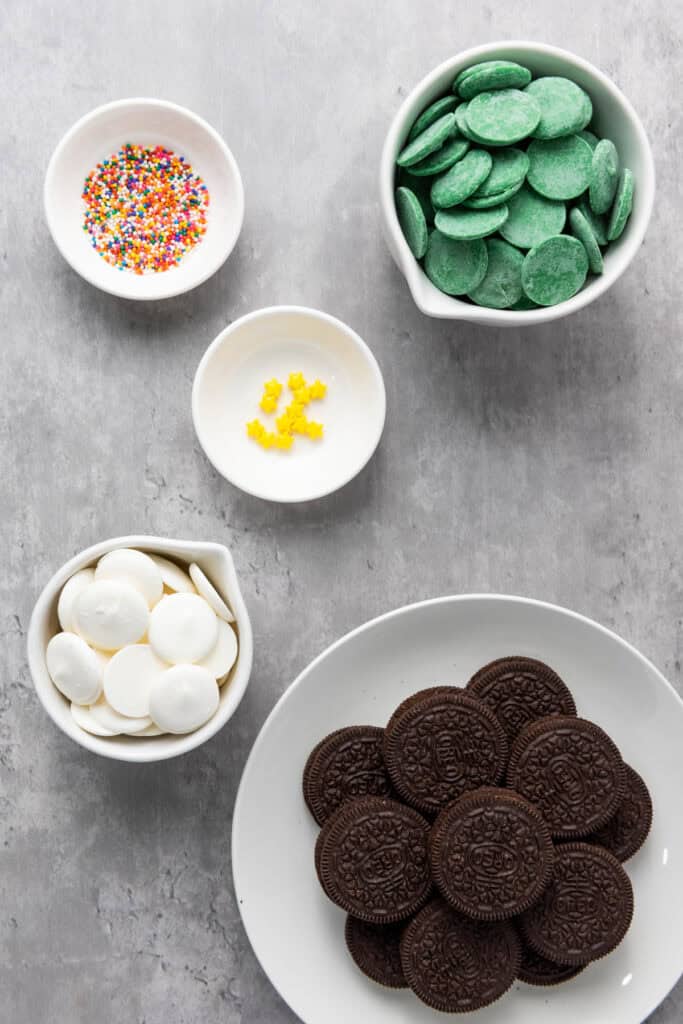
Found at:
(542, 462)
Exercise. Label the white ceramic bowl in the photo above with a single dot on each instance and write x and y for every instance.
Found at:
(146, 122)
(613, 117)
(217, 563)
(275, 342)
(298, 934)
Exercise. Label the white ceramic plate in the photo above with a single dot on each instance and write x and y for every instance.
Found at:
(275, 342)
(297, 933)
(147, 122)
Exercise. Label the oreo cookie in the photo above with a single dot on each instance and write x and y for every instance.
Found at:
(415, 698)
(372, 860)
(455, 964)
(585, 911)
(375, 949)
(521, 690)
(571, 771)
(346, 765)
(491, 854)
(441, 747)
(538, 970)
(625, 833)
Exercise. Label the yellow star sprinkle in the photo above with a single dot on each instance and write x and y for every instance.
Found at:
(272, 388)
(255, 429)
(267, 439)
(284, 423)
(314, 430)
(302, 395)
(317, 389)
(300, 425)
(296, 380)
(294, 410)
(284, 442)
(268, 403)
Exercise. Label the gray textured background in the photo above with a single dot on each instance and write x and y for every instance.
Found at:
(543, 462)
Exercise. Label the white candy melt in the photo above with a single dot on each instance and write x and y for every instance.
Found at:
(128, 679)
(182, 628)
(183, 698)
(70, 592)
(110, 614)
(222, 657)
(74, 668)
(105, 716)
(83, 718)
(207, 590)
(173, 576)
(134, 567)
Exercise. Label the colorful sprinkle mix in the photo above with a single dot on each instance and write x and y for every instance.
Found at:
(293, 420)
(145, 208)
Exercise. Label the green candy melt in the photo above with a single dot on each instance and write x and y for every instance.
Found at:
(604, 176)
(502, 283)
(477, 202)
(581, 229)
(462, 179)
(565, 107)
(623, 204)
(412, 220)
(554, 270)
(427, 142)
(451, 151)
(597, 224)
(435, 110)
(465, 224)
(456, 268)
(493, 75)
(421, 188)
(531, 219)
(461, 122)
(509, 168)
(588, 137)
(502, 117)
(559, 168)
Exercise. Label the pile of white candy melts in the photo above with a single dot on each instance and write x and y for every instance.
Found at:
(145, 646)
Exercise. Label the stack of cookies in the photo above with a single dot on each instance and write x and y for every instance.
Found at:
(478, 838)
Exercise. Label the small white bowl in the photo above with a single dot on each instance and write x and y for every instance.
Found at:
(275, 342)
(614, 118)
(216, 561)
(146, 122)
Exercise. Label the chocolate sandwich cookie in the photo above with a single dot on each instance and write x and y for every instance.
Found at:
(585, 911)
(520, 690)
(457, 965)
(375, 949)
(538, 970)
(415, 698)
(346, 765)
(625, 833)
(372, 860)
(441, 747)
(571, 771)
(491, 854)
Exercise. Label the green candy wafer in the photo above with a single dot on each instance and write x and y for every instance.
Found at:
(467, 224)
(493, 75)
(604, 176)
(435, 110)
(502, 117)
(598, 225)
(455, 267)
(554, 270)
(559, 168)
(420, 187)
(461, 122)
(466, 72)
(509, 168)
(477, 202)
(581, 229)
(524, 302)
(449, 154)
(412, 221)
(462, 179)
(531, 219)
(565, 107)
(502, 283)
(427, 142)
(588, 137)
(623, 204)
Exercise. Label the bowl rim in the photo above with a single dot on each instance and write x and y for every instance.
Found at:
(141, 753)
(407, 263)
(93, 116)
(351, 336)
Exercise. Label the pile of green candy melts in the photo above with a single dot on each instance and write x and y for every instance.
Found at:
(504, 194)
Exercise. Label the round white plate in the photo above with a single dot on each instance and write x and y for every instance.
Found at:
(147, 122)
(275, 342)
(298, 935)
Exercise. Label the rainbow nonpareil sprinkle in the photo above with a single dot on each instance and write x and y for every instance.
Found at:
(145, 208)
